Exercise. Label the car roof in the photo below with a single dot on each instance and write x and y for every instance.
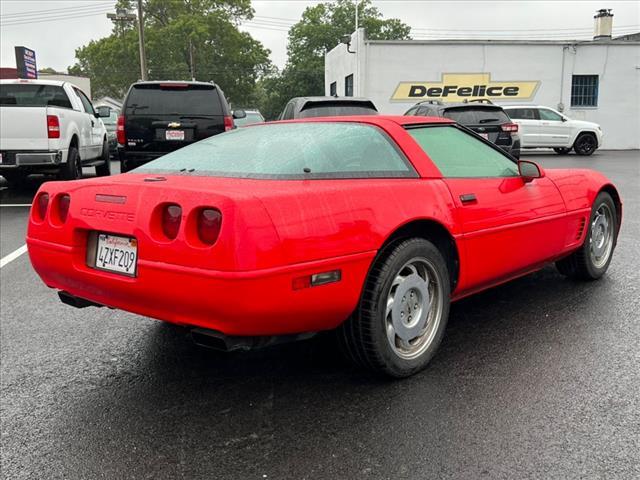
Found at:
(330, 99)
(527, 106)
(380, 120)
(57, 83)
(159, 82)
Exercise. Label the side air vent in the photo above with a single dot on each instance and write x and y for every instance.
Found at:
(581, 224)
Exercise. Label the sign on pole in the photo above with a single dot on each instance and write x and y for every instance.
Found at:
(26, 63)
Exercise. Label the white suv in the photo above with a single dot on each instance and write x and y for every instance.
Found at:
(544, 127)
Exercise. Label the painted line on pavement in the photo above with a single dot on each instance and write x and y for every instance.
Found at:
(15, 204)
(12, 256)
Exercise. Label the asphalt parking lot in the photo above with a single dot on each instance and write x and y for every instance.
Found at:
(539, 378)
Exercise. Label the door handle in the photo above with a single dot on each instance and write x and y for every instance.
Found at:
(468, 198)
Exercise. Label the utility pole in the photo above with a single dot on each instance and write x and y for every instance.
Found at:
(192, 66)
(143, 57)
(122, 16)
(357, 5)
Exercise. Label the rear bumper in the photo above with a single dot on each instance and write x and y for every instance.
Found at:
(18, 159)
(253, 303)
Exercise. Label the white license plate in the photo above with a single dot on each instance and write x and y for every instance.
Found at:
(117, 254)
(175, 135)
(485, 136)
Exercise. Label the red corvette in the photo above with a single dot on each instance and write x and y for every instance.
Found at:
(369, 225)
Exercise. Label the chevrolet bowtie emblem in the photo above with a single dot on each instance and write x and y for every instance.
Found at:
(174, 125)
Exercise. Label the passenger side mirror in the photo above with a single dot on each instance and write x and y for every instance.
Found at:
(529, 171)
(103, 112)
(239, 114)
(564, 119)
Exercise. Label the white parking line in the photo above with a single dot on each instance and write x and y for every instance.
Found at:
(15, 204)
(12, 256)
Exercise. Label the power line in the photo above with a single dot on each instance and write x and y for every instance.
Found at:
(36, 13)
(53, 19)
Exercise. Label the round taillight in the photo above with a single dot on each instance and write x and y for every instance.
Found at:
(64, 201)
(209, 222)
(42, 202)
(171, 218)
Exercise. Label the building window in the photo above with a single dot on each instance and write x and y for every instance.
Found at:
(348, 86)
(584, 91)
(333, 89)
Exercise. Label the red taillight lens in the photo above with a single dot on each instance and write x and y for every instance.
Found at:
(120, 135)
(64, 201)
(510, 127)
(41, 204)
(171, 218)
(209, 222)
(53, 126)
(228, 123)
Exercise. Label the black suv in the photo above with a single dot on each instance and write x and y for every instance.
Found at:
(162, 116)
(483, 117)
(307, 107)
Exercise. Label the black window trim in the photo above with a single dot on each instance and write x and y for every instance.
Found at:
(468, 131)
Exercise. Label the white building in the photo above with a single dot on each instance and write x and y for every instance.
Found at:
(594, 80)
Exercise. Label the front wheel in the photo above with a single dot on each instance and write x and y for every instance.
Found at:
(403, 310)
(562, 150)
(585, 144)
(592, 259)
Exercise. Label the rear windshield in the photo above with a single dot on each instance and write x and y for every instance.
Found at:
(477, 116)
(290, 151)
(179, 99)
(29, 95)
(337, 109)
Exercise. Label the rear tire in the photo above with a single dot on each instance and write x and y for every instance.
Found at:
(592, 259)
(104, 170)
(585, 144)
(562, 150)
(403, 311)
(15, 179)
(72, 170)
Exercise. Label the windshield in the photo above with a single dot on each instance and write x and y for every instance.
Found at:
(290, 151)
(477, 116)
(181, 99)
(250, 119)
(30, 95)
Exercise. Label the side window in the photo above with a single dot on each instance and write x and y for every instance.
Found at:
(521, 113)
(458, 154)
(549, 115)
(86, 103)
(423, 111)
(412, 111)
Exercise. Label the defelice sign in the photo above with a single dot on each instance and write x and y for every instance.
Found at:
(456, 87)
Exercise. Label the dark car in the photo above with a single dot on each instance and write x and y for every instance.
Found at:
(483, 117)
(162, 116)
(307, 107)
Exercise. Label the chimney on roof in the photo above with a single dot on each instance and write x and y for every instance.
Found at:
(603, 24)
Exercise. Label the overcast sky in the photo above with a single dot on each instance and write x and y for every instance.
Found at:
(54, 29)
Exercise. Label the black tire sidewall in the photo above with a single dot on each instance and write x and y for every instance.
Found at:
(104, 169)
(68, 171)
(593, 271)
(579, 151)
(401, 254)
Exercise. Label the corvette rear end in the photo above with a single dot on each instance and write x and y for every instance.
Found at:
(160, 247)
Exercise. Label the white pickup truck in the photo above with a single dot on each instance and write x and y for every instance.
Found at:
(49, 127)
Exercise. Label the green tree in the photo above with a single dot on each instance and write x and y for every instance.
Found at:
(184, 39)
(320, 30)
